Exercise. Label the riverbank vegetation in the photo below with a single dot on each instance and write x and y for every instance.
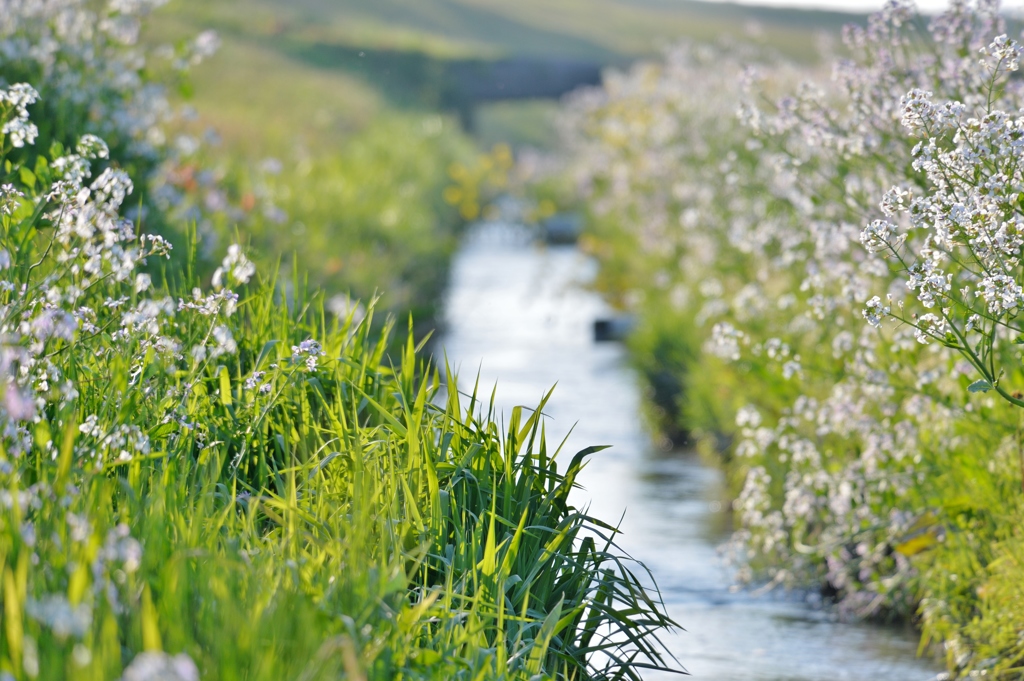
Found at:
(825, 269)
(212, 469)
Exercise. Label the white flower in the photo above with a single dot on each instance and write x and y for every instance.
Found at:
(226, 344)
(90, 426)
(1002, 54)
(63, 619)
(1001, 292)
(255, 380)
(235, 266)
(896, 200)
(748, 417)
(917, 109)
(19, 406)
(931, 326)
(308, 350)
(725, 341)
(158, 666)
(874, 312)
(204, 46)
(18, 128)
(92, 147)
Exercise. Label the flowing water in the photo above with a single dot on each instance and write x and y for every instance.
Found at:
(518, 314)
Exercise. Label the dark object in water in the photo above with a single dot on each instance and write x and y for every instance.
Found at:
(613, 329)
(563, 228)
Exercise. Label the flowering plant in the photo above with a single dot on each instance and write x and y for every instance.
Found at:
(858, 451)
(959, 244)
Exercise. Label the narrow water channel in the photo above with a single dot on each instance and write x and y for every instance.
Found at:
(520, 315)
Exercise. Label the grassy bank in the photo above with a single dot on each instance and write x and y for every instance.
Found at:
(213, 469)
(229, 482)
(815, 308)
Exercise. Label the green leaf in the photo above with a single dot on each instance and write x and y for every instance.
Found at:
(43, 437)
(162, 430)
(425, 656)
(42, 170)
(28, 177)
(979, 386)
(265, 352)
(488, 564)
(67, 447)
(225, 387)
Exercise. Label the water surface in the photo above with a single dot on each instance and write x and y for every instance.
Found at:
(519, 315)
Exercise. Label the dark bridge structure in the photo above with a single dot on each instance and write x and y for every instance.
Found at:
(474, 82)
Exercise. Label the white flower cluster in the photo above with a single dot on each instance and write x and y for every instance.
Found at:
(156, 666)
(18, 128)
(309, 352)
(86, 56)
(965, 262)
(92, 259)
(236, 269)
(86, 60)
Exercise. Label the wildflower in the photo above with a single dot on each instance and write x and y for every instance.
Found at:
(226, 344)
(725, 341)
(92, 147)
(235, 266)
(748, 417)
(120, 547)
(791, 368)
(8, 198)
(874, 312)
(308, 350)
(19, 406)
(210, 305)
(158, 245)
(1001, 54)
(90, 426)
(204, 46)
(159, 666)
(18, 128)
(63, 619)
(917, 110)
(931, 326)
(896, 200)
(1002, 293)
(255, 380)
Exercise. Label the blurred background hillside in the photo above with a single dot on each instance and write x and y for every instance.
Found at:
(324, 69)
